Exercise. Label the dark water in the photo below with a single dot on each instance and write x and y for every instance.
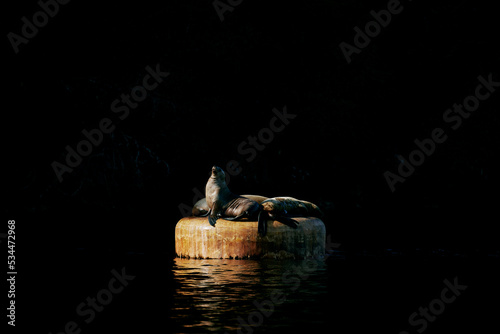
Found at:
(224, 295)
(352, 291)
(362, 292)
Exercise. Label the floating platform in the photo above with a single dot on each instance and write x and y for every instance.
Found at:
(196, 238)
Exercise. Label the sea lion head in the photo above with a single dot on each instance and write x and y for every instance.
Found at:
(218, 174)
(273, 207)
(285, 205)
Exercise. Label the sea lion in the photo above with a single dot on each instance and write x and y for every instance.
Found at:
(222, 203)
(282, 208)
(200, 209)
(290, 206)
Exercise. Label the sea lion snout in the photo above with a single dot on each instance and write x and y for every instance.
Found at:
(217, 171)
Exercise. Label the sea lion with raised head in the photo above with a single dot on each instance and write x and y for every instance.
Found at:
(222, 203)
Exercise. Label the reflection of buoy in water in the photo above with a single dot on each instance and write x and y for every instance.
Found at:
(196, 238)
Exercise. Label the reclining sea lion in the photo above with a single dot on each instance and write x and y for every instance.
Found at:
(283, 208)
(277, 206)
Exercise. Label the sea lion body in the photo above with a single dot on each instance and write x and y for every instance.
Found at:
(222, 203)
(257, 198)
(312, 209)
(200, 209)
(241, 205)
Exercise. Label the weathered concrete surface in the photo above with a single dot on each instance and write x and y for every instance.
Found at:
(195, 238)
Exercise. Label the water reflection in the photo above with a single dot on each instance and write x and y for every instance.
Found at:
(213, 294)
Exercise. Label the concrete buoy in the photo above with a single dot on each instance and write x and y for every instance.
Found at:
(196, 238)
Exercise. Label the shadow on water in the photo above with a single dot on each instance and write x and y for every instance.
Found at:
(253, 296)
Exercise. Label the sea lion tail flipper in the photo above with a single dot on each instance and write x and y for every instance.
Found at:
(262, 219)
(287, 221)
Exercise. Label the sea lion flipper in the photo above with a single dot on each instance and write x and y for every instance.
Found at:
(212, 217)
(262, 226)
(212, 220)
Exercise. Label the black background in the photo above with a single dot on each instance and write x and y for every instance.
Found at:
(225, 79)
